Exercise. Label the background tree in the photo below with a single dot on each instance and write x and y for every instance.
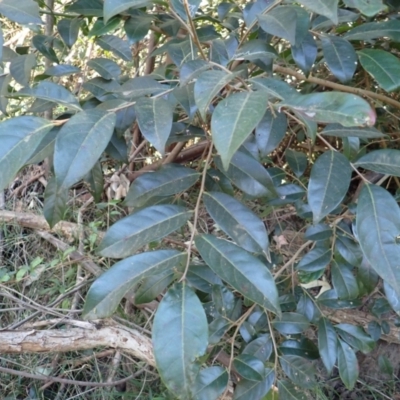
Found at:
(229, 123)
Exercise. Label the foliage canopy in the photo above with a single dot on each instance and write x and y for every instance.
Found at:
(242, 111)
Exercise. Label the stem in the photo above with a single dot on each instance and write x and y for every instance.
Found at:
(196, 212)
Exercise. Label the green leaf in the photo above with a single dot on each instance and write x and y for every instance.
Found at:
(270, 132)
(154, 116)
(367, 7)
(281, 22)
(80, 143)
(69, 30)
(4, 84)
(96, 181)
(50, 91)
(241, 270)
(108, 290)
(235, 219)
(19, 137)
(382, 66)
(378, 227)
(297, 161)
(356, 337)
(255, 49)
(23, 11)
(185, 96)
(329, 182)
(316, 259)
(249, 367)
(61, 70)
(347, 364)
(167, 181)
(260, 348)
(332, 107)
(291, 323)
(141, 86)
(201, 277)
(107, 69)
(131, 233)
(114, 7)
(21, 68)
(375, 30)
(120, 48)
(180, 337)
(234, 119)
(91, 8)
(392, 297)
(44, 44)
(246, 390)
(178, 6)
(304, 53)
(137, 27)
(289, 391)
(329, 9)
(344, 281)
(338, 130)
(55, 202)
(327, 343)
(152, 286)
(248, 175)
(101, 27)
(207, 86)
(45, 147)
(340, 56)
(299, 370)
(210, 383)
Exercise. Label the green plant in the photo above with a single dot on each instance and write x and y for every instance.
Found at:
(213, 95)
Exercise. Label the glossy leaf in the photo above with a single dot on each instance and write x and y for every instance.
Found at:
(392, 297)
(69, 30)
(382, 66)
(240, 223)
(120, 48)
(23, 12)
(375, 30)
(329, 182)
(340, 56)
(137, 27)
(297, 161)
(55, 202)
(291, 323)
(344, 281)
(248, 175)
(289, 391)
(44, 44)
(356, 337)
(270, 132)
(305, 52)
(79, 145)
(327, 343)
(347, 364)
(95, 180)
(61, 70)
(329, 9)
(167, 181)
(91, 8)
(21, 68)
(176, 345)
(249, 367)
(299, 370)
(332, 107)
(338, 130)
(154, 116)
(246, 389)
(108, 290)
(114, 7)
(234, 119)
(131, 233)
(210, 383)
(255, 50)
(281, 22)
(50, 91)
(260, 348)
(107, 69)
(385, 161)
(19, 136)
(152, 286)
(316, 259)
(378, 227)
(240, 269)
(367, 7)
(4, 85)
(207, 86)
(192, 6)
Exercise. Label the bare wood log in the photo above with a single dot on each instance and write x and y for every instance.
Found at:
(76, 339)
